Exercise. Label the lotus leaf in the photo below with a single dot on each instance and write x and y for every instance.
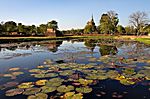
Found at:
(66, 73)
(48, 62)
(51, 75)
(11, 84)
(65, 88)
(112, 74)
(8, 75)
(54, 82)
(126, 82)
(13, 92)
(72, 95)
(34, 70)
(129, 71)
(84, 90)
(46, 89)
(85, 82)
(40, 67)
(146, 67)
(38, 96)
(17, 73)
(26, 85)
(40, 82)
(31, 91)
(14, 69)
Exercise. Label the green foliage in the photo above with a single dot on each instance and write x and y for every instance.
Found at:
(41, 29)
(90, 27)
(52, 25)
(108, 22)
(120, 29)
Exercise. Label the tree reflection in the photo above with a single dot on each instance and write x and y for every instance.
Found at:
(90, 44)
(107, 50)
(53, 46)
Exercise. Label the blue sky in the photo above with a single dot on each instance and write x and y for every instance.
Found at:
(69, 13)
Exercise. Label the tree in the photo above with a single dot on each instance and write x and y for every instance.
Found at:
(114, 20)
(89, 29)
(20, 28)
(109, 22)
(105, 24)
(147, 29)
(41, 29)
(120, 29)
(139, 19)
(130, 30)
(10, 26)
(52, 25)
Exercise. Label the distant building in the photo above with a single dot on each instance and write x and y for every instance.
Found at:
(91, 22)
(50, 32)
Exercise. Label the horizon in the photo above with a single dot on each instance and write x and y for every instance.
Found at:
(68, 14)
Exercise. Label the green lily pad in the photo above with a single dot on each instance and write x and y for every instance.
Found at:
(26, 85)
(72, 95)
(54, 82)
(65, 88)
(46, 89)
(126, 82)
(66, 73)
(31, 91)
(38, 96)
(85, 82)
(84, 90)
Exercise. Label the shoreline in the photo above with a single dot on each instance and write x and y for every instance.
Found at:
(143, 39)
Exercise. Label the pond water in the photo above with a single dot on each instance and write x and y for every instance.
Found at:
(96, 68)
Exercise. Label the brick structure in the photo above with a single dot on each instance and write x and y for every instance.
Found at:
(50, 32)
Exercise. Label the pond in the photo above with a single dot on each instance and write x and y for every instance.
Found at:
(75, 69)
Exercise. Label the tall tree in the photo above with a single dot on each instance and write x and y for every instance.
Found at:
(105, 24)
(120, 29)
(20, 28)
(41, 29)
(114, 20)
(53, 25)
(139, 19)
(10, 26)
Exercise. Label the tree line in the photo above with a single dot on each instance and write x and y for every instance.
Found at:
(108, 24)
(12, 28)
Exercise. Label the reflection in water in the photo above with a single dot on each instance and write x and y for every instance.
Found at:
(107, 50)
(53, 46)
(90, 44)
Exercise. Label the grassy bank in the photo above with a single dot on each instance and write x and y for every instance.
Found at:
(144, 39)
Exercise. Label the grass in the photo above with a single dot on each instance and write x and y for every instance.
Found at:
(143, 40)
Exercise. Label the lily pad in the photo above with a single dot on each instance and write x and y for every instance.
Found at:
(72, 95)
(10, 84)
(26, 85)
(84, 90)
(38, 96)
(14, 69)
(46, 89)
(85, 82)
(13, 92)
(65, 88)
(40, 82)
(31, 91)
(66, 73)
